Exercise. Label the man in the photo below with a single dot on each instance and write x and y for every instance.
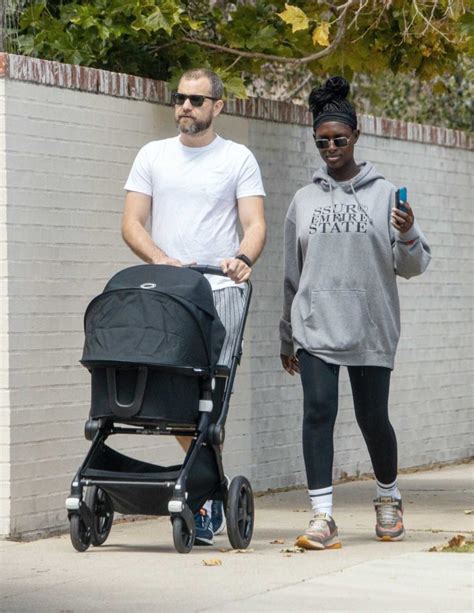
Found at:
(196, 186)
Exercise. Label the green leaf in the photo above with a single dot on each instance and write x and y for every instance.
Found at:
(32, 14)
(262, 39)
(234, 86)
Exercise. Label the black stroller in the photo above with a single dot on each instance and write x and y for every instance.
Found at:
(152, 341)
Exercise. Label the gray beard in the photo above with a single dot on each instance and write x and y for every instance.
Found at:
(195, 127)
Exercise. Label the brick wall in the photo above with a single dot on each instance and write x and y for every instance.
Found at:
(69, 138)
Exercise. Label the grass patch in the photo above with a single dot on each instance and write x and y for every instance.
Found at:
(468, 547)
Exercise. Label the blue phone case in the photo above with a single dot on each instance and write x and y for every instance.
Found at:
(400, 198)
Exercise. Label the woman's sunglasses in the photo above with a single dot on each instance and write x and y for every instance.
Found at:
(194, 99)
(339, 141)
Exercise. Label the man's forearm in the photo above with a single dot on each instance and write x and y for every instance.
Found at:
(253, 241)
(141, 243)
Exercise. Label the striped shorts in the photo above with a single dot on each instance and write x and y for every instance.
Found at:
(229, 303)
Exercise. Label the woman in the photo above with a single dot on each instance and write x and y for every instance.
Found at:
(344, 245)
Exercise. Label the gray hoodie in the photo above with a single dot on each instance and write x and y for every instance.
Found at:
(342, 256)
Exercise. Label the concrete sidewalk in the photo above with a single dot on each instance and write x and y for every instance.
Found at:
(138, 568)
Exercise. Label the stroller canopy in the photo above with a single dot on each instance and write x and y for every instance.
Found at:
(153, 315)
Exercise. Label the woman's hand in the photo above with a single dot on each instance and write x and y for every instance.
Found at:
(402, 221)
(290, 364)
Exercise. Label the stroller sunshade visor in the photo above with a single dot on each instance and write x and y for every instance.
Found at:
(154, 315)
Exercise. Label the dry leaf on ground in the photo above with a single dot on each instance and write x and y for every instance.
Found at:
(457, 541)
(277, 542)
(242, 550)
(469, 511)
(212, 562)
(293, 550)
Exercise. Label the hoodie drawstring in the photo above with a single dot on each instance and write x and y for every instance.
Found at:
(331, 191)
(360, 205)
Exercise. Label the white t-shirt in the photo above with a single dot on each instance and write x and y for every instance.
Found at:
(194, 194)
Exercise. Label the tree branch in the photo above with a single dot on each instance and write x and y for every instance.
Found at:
(273, 58)
(340, 20)
(301, 86)
(429, 23)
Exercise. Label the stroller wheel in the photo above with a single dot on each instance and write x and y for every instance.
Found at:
(240, 513)
(102, 509)
(183, 538)
(80, 534)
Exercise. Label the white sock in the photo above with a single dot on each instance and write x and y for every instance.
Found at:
(321, 500)
(387, 490)
(207, 506)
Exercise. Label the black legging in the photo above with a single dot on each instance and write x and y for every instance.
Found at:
(370, 389)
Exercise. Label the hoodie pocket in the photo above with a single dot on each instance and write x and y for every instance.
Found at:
(339, 320)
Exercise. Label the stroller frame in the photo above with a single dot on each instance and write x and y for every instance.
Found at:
(91, 515)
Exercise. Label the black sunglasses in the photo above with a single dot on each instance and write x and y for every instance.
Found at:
(339, 141)
(194, 99)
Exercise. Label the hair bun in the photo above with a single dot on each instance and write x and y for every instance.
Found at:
(335, 88)
(338, 86)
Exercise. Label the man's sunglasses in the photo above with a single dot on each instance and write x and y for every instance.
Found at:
(339, 141)
(195, 99)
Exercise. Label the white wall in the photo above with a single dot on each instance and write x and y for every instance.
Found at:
(68, 153)
(4, 353)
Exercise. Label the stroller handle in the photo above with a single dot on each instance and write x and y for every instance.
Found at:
(208, 270)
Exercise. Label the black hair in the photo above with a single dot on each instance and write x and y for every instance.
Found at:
(329, 103)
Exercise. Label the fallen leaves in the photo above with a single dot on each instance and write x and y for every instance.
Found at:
(228, 550)
(290, 550)
(469, 511)
(242, 550)
(277, 542)
(457, 541)
(212, 562)
(456, 544)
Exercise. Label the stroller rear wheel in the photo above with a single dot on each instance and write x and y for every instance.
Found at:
(79, 533)
(183, 537)
(240, 513)
(102, 510)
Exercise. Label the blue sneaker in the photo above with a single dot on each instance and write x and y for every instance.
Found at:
(204, 532)
(218, 522)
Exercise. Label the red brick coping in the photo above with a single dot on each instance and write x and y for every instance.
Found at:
(55, 74)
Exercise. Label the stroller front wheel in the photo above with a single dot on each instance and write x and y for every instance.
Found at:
(102, 510)
(240, 513)
(79, 533)
(183, 538)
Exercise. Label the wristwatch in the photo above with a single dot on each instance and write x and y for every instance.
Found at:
(244, 259)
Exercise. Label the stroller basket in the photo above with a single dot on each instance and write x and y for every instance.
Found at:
(138, 487)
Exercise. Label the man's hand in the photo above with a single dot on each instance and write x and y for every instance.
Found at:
(290, 364)
(236, 270)
(402, 221)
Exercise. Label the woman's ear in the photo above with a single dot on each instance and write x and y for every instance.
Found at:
(356, 135)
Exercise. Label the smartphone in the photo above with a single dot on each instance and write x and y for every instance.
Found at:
(401, 198)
